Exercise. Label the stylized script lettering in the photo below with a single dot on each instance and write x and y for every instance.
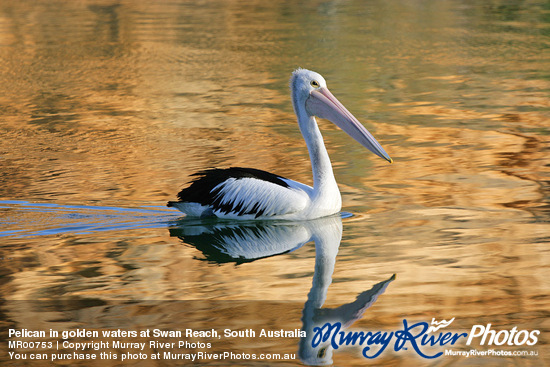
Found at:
(416, 335)
(405, 335)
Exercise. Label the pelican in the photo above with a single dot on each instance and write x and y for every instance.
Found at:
(246, 193)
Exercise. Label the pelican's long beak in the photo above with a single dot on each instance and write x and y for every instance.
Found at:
(323, 104)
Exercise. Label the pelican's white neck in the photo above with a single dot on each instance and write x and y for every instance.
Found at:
(325, 197)
(323, 176)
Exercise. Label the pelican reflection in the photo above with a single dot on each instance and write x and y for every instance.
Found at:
(240, 242)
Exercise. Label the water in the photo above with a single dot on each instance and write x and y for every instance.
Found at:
(108, 107)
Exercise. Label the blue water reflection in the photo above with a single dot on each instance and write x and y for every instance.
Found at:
(26, 219)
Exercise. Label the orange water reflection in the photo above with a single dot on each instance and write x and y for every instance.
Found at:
(116, 103)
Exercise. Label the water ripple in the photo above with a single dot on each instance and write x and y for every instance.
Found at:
(24, 219)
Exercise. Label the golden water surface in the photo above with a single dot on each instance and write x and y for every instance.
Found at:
(108, 106)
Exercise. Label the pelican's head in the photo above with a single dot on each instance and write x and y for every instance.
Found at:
(310, 94)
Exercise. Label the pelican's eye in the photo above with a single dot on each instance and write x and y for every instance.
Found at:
(315, 84)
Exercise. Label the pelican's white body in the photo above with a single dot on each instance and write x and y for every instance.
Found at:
(296, 202)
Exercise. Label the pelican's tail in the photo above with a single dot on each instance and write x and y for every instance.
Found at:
(191, 209)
